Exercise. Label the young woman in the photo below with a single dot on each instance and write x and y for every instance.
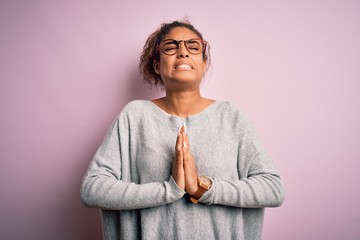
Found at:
(181, 166)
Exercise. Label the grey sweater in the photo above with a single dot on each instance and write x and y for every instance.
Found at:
(129, 178)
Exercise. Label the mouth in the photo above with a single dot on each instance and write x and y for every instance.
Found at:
(184, 67)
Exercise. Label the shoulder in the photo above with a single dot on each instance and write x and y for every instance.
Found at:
(234, 115)
(136, 111)
(135, 107)
(230, 109)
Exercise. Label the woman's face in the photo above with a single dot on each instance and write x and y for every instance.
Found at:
(182, 69)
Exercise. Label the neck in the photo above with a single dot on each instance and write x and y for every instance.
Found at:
(184, 103)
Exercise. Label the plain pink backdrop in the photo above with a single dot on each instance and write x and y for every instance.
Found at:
(68, 67)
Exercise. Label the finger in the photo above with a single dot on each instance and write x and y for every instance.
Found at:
(178, 150)
(179, 157)
(186, 143)
(178, 164)
(179, 141)
(185, 139)
(190, 172)
(189, 161)
(178, 174)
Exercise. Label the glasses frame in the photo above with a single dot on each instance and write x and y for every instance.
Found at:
(203, 43)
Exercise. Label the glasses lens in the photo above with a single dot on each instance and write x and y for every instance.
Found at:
(169, 47)
(194, 46)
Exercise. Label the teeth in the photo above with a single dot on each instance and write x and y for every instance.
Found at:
(183, 66)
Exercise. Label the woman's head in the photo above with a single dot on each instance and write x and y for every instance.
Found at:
(153, 49)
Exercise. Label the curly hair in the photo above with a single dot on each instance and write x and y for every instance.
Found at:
(151, 53)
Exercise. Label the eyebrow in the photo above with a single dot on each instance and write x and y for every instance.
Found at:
(167, 39)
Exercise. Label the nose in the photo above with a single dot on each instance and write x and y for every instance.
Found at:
(183, 52)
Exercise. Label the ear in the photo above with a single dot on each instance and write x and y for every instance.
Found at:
(156, 66)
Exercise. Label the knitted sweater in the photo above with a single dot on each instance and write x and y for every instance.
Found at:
(130, 180)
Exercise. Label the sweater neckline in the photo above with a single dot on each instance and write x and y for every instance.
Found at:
(190, 121)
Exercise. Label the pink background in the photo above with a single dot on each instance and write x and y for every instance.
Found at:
(68, 67)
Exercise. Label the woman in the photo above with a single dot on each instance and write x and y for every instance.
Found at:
(181, 166)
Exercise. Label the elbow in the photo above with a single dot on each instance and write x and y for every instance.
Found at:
(279, 195)
(85, 200)
(279, 200)
(85, 196)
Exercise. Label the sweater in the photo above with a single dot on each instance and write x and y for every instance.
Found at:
(129, 178)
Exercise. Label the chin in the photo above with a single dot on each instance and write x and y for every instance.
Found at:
(185, 77)
(186, 80)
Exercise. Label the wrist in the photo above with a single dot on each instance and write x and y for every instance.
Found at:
(204, 184)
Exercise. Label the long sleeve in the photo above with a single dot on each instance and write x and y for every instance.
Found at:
(129, 177)
(102, 186)
(258, 184)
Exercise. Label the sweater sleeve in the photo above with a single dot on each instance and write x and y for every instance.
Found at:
(103, 188)
(259, 184)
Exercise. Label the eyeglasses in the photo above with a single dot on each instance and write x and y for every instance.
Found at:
(171, 46)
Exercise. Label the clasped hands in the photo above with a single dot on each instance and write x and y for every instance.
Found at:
(184, 167)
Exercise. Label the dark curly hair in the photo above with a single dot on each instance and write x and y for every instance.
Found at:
(151, 53)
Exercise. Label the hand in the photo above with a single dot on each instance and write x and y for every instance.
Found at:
(184, 167)
(178, 164)
(191, 185)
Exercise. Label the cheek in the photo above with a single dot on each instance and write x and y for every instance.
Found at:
(165, 67)
(202, 67)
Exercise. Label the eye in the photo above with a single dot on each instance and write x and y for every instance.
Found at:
(194, 45)
(169, 46)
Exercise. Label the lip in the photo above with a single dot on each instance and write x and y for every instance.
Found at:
(184, 66)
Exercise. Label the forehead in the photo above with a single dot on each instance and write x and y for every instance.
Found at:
(181, 33)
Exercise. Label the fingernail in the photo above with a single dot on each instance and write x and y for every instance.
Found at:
(184, 127)
(179, 147)
(184, 145)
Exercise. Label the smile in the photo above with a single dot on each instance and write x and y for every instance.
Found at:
(183, 67)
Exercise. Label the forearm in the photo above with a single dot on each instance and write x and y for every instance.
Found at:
(263, 190)
(107, 193)
(104, 187)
